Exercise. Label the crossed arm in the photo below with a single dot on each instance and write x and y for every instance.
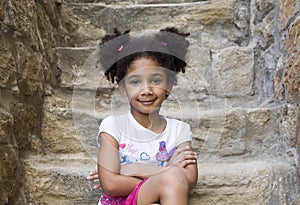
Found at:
(120, 180)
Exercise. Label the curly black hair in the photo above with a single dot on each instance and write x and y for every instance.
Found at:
(167, 48)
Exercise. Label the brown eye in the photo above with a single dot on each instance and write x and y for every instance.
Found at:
(134, 82)
(156, 81)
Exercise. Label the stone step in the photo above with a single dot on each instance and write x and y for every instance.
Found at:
(208, 75)
(246, 182)
(135, 16)
(60, 179)
(71, 125)
(243, 182)
(187, 16)
(134, 1)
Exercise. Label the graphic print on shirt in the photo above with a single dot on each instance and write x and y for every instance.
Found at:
(163, 155)
(129, 148)
(125, 159)
(144, 156)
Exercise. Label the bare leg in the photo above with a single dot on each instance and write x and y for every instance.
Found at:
(169, 188)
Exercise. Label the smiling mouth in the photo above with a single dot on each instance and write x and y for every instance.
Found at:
(146, 102)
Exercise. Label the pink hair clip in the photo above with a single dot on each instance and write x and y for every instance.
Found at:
(164, 43)
(121, 48)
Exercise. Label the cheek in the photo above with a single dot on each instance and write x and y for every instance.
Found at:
(132, 92)
(160, 91)
(162, 87)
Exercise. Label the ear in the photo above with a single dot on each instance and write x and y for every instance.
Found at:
(122, 89)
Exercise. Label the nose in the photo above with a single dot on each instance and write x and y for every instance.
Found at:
(146, 90)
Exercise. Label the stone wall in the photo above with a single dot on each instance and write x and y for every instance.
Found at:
(29, 32)
(287, 75)
(43, 45)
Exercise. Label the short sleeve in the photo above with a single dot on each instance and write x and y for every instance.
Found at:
(108, 125)
(184, 133)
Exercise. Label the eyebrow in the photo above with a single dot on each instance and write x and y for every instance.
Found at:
(157, 74)
(152, 75)
(133, 76)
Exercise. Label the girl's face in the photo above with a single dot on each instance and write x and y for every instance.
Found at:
(145, 84)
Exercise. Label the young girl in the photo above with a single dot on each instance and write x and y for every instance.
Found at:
(145, 158)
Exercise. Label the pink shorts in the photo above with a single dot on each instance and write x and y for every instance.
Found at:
(121, 200)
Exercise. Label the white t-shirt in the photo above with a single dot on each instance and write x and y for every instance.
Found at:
(139, 144)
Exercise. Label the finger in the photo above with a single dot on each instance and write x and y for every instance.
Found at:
(189, 157)
(183, 155)
(97, 186)
(187, 154)
(187, 162)
(184, 163)
(93, 172)
(92, 177)
(191, 154)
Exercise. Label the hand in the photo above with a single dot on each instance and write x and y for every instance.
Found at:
(182, 157)
(94, 176)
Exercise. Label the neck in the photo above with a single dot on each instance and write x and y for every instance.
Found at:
(152, 121)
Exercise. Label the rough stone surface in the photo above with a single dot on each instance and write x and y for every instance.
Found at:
(62, 183)
(134, 2)
(242, 183)
(288, 8)
(29, 31)
(134, 16)
(8, 158)
(237, 62)
(240, 95)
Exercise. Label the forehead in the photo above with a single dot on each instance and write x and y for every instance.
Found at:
(144, 67)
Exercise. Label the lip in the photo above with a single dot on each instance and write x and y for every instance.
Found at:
(146, 102)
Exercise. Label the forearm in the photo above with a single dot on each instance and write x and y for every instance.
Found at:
(140, 170)
(145, 171)
(191, 173)
(115, 184)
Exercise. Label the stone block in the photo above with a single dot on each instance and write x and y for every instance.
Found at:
(262, 22)
(252, 182)
(58, 131)
(289, 127)
(287, 10)
(30, 72)
(234, 133)
(193, 86)
(247, 183)
(60, 179)
(292, 43)
(233, 71)
(26, 119)
(70, 62)
(2, 13)
(9, 162)
(7, 65)
(24, 21)
(291, 76)
(79, 70)
(261, 8)
(133, 17)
